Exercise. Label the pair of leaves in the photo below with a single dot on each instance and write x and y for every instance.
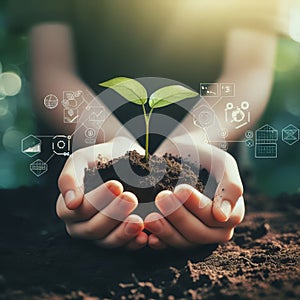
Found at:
(135, 92)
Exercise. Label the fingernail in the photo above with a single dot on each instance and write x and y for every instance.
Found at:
(182, 194)
(132, 228)
(115, 189)
(156, 226)
(226, 209)
(69, 196)
(168, 204)
(124, 204)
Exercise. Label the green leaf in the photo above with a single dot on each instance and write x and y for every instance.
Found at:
(128, 88)
(170, 94)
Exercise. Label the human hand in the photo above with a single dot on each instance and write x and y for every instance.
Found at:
(189, 218)
(103, 214)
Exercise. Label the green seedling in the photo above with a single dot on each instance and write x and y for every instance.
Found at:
(134, 91)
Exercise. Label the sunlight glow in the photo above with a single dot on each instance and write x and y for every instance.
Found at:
(294, 26)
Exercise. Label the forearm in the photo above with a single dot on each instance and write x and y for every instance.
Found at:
(253, 87)
(53, 72)
(248, 64)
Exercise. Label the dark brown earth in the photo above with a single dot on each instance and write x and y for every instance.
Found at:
(39, 261)
(145, 186)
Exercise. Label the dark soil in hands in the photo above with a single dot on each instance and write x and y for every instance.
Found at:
(170, 170)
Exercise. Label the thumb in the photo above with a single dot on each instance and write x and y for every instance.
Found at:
(229, 190)
(70, 181)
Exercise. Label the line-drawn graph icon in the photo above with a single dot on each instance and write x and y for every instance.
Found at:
(96, 113)
(38, 167)
(31, 145)
(266, 139)
(290, 134)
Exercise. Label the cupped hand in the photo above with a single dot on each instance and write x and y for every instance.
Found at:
(103, 214)
(189, 218)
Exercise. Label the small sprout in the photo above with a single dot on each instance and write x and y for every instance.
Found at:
(135, 92)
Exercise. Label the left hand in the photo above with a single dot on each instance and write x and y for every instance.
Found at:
(189, 218)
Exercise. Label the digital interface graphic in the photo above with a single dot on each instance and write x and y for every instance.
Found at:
(264, 141)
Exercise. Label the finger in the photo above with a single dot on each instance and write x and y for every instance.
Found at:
(106, 220)
(188, 225)
(93, 202)
(201, 207)
(224, 168)
(155, 243)
(124, 233)
(163, 230)
(139, 242)
(229, 190)
(70, 181)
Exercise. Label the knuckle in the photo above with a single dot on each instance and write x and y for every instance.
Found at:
(168, 236)
(236, 189)
(90, 233)
(195, 237)
(122, 238)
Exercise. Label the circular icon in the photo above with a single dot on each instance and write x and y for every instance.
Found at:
(90, 132)
(249, 134)
(61, 144)
(203, 116)
(238, 115)
(250, 143)
(245, 105)
(224, 133)
(51, 101)
(229, 105)
(10, 84)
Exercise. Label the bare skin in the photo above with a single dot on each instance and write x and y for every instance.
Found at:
(104, 215)
(188, 218)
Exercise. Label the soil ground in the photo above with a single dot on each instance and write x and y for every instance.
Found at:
(39, 261)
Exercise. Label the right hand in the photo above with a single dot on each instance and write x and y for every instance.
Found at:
(103, 214)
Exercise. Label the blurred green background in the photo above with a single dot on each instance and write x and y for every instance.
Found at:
(271, 176)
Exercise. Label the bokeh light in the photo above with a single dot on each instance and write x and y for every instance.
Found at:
(3, 107)
(11, 140)
(10, 84)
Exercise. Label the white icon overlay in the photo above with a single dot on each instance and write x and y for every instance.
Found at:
(266, 139)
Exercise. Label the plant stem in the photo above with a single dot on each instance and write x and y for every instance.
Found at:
(147, 133)
(147, 124)
(147, 140)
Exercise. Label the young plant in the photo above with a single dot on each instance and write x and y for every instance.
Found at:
(135, 92)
